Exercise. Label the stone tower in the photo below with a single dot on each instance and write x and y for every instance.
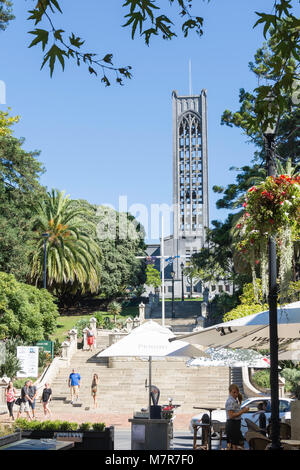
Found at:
(190, 174)
(190, 190)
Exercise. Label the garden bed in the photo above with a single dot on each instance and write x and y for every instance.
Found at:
(85, 437)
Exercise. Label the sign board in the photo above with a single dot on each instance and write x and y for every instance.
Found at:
(29, 360)
(48, 346)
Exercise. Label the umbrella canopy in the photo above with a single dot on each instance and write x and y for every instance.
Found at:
(231, 358)
(251, 331)
(290, 352)
(151, 340)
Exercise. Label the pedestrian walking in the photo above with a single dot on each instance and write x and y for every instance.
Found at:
(74, 384)
(32, 395)
(233, 414)
(10, 394)
(90, 338)
(25, 399)
(46, 398)
(94, 389)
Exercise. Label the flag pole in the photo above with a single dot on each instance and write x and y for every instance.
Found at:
(162, 274)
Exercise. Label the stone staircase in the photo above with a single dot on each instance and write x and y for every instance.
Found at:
(185, 313)
(121, 388)
(186, 309)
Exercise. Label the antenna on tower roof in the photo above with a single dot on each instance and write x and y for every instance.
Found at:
(190, 77)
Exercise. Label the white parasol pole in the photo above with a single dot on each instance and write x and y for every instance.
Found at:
(162, 273)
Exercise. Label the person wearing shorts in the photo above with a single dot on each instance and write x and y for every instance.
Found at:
(90, 339)
(46, 397)
(74, 384)
(25, 398)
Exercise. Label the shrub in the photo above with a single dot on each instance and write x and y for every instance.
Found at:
(85, 427)
(26, 312)
(292, 377)
(262, 378)
(98, 426)
(57, 426)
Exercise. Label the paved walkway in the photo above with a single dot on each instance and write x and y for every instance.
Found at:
(120, 421)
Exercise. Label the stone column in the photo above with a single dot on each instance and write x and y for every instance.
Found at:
(65, 347)
(84, 336)
(142, 312)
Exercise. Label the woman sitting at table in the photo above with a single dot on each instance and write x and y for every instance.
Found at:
(233, 414)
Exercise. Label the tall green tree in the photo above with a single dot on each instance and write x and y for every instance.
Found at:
(26, 313)
(121, 239)
(73, 257)
(152, 277)
(19, 188)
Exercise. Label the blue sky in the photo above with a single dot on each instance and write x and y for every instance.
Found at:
(100, 143)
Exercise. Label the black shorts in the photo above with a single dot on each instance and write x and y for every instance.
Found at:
(233, 431)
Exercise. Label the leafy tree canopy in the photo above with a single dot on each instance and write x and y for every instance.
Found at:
(152, 277)
(5, 14)
(26, 313)
(148, 19)
(19, 187)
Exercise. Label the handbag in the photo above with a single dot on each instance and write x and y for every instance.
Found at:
(18, 401)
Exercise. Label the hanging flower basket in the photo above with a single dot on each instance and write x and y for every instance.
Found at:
(272, 208)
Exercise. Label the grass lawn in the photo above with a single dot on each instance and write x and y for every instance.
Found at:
(66, 322)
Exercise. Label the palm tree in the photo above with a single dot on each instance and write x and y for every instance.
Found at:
(114, 308)
(71, 252)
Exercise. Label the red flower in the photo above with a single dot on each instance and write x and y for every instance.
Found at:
(239, 226)
(245, 204)
(271, 221)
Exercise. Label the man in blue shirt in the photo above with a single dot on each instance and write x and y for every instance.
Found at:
(74, 384)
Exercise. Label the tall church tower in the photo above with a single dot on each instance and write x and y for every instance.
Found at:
(190, 173)
(190, 191)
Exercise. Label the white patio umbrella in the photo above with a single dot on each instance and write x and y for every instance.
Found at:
(231, 358)
(251, 331)
(150, 340)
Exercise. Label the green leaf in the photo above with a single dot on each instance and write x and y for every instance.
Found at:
(76, 41)
(56, 4)
(108, 58)
(54, 53)
(41, 36)
(36, 15)
(57, 34)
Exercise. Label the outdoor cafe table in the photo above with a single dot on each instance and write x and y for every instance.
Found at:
(210, 409)
(38, 444)
(291, 442)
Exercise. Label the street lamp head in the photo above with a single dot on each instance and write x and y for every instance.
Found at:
(172, 274)
(182, 265)
(45, 235)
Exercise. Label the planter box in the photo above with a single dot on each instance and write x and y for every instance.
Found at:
(87, 440)
(4, 440)
(97, 440)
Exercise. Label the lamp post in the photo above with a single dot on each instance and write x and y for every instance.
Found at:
(182, 286)
(269, 140)
(45, 235)
(173, 277)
